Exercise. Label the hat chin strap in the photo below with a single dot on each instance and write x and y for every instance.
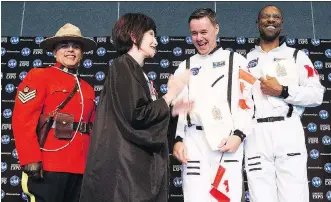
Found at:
(70, 70)
(66, 69)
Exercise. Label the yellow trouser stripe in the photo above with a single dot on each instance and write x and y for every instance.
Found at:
(24, 184)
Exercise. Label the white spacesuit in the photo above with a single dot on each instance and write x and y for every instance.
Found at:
(275, 152)
(208, 123)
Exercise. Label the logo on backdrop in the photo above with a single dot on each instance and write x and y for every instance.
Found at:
(7, 113)
(12, 63)
(314, 154)
(318, 64)
(3, 166)
(14, 180)
(241, 40)
(49, 53)
(177, 51)
(3, 51)
(38, 39)
(26, 51)
(87, 63)
(22, 75)
(327, 167)
(290, 41)
(178, 181)
(328, 53)
(326, 140)
(324, 114)
(164, 63)
(328, 195)
(37, 63)
(315, 42)
(10, 88)
(164, 88)
(96, 101)
(312, 127)
(152, 75)
(24, 196)
(164, 39)
(188, 40)
(306, 51)
(101, 51)
(14, 40)
(5, 139)
(110, 62)
(14, 154)
(100, 76)
(316, 182)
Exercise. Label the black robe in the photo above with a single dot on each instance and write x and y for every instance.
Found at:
(128, 153)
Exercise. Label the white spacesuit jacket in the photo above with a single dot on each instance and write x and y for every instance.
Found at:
(208, 88)
(275, 152)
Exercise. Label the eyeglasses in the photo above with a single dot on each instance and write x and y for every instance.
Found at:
(67, 44)
(267, 16)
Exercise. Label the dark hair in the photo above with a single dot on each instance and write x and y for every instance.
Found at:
(262, 9)
(204, 12)
(131, 23)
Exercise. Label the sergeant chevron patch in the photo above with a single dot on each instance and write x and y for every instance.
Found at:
(25, 95)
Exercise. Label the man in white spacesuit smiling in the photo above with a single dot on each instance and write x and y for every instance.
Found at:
(275, 152)
(208, 139)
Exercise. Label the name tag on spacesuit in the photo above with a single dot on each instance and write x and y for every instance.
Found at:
(216, 120)
(285, 71)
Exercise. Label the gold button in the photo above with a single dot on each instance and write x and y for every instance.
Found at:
(64, 122)
(64, 91)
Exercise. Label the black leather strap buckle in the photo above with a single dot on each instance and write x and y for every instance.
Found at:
(83, 128)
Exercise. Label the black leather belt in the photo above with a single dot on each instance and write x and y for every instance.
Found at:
(83, 128)
(198, 127)
(271, 119)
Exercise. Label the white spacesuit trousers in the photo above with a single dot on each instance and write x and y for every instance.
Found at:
(276, 162)
(199, 173)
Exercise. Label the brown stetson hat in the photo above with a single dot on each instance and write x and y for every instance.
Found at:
(68, 32)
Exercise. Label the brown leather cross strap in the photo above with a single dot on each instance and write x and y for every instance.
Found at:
(72, 93)
(45, 122)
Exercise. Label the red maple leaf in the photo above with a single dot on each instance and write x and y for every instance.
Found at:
(310, 71)
(219, 196)
(243, 104)
(226, 183)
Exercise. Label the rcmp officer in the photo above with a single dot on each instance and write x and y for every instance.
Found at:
(220, 89)
(276, 155)
(53, 170)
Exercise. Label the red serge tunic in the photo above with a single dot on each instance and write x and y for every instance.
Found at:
(42, 90)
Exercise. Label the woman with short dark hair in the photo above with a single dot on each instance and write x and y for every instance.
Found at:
(128, 154)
